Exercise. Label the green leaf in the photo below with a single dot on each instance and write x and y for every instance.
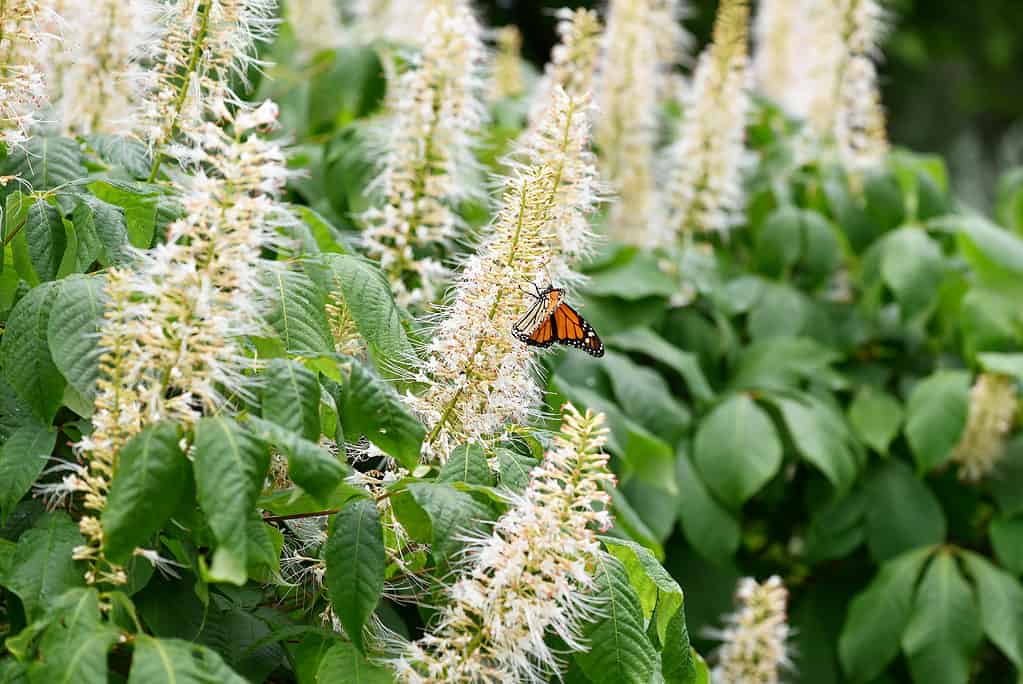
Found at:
(736, 450)
(297, 312)
(1007, 542)
(344, 663)
(367, 294)
(638, 278)
(821, 437)
(902, 512)
(678, 666)
(656, 589)
(1006, 364)
(781, 363)
(945, 629)
(913, 266)
(467, 463)
(370, 407)
(619, 650)
(310, 466)
(836, 528)
(686, 364)
(646, 398)
(173, 661)
(105, 224)
(73, 329)
(291, 398)
(1001, 606)
(323, 231)
(708, 526)
(44, 231)
(229, 466)
(45, 163)
(453, 515)
(513, 469)
(876, 416)
(878, 617)
(74, 647)
(25, 354)
(781, 312)
(150, 481)
(42, 567)
(141, 207)
(120, 150)
(351, 85)
(356, 562)
(779, 241)
(935, 417)
(22, 458)
(994, 255)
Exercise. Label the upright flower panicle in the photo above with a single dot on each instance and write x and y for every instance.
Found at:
(781, 63)
(754, 638)
(507, 77)
(531, 577)
(172, 340)
(705, 187)
(24, 44)
(316, 24)
(478, 378)
(642, 42)
(101, 78)
(993, 404)
(573, 60)
(399, 21)
(817, 59)
(204, 44)
(561, 138)
(435, 117)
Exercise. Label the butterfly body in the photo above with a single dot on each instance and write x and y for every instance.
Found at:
(552, 320)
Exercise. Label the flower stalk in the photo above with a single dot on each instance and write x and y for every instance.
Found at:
(705, 187)
(993, 405)
(530, 577)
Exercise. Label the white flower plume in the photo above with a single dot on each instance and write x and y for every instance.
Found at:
(642, 42)
(573, 62)
(316, 24)
(754, 648)
(705, 188)
(435, 118)
(172, 338)
(993, 404)
(532, 576)
(478, 377)
(27, 42)
(205, 43)
(101, 77)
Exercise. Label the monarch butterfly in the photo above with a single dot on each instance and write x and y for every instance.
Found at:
(551, 320)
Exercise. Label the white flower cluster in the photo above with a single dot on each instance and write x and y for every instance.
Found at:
(643, 40)
(316, 24)
(205, 43)
(25, 42)
(561, 138)
(993, 404)
(478, 378)
(101, 77)
(507, 78)
(573, 61)
(705, 188)
(399, 21)
(435, 118)
(172, 337)
(816, 58)
(754, 638)
(531, 577)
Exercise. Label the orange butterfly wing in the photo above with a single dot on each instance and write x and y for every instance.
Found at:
(572, 329)
(543, 336)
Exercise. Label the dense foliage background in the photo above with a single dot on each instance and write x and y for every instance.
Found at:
(792, 398)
